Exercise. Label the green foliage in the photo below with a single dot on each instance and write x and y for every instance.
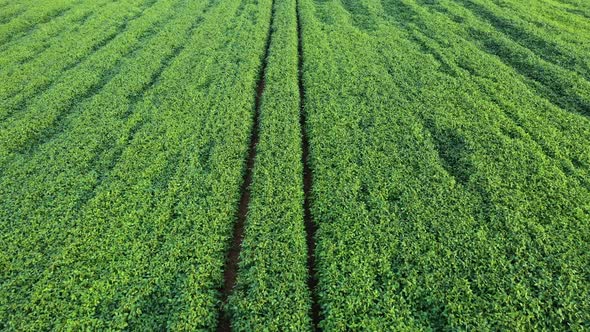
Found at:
(449, 142)
(450, 180)
(271, 292)
(120, 216)
(27, 18)
(64, 75)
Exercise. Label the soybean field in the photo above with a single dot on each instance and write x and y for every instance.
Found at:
(295, 165)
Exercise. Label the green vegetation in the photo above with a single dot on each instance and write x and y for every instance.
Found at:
(117, 196)
(19, 17)
(450, 192)
(271, 292)
(449, 143)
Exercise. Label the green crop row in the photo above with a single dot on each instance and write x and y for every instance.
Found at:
(21, 83)
(449, 192)
(554, 35)
(34, 15)
(27, 47)
(546, 65)
(271, 292)
(504, 87)
(449, 142)
(93, 152)
(120, 219)
(43, 114)
(10, 11)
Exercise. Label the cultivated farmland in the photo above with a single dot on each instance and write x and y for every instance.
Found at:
(294, 165)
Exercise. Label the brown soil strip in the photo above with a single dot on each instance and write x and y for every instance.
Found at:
(231, 265)
(310, 226)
